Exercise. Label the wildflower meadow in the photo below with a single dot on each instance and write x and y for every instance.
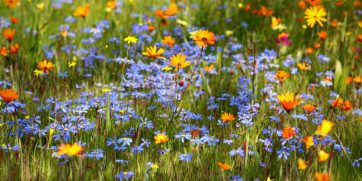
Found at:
(239, 90)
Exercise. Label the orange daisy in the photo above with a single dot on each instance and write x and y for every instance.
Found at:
(9, 95)
(9, 34)
(45, 66)
(204, 38)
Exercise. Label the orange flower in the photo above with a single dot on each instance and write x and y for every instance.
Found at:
(3, 51)
(323, 156)
(282, 75)
(14, 49)
(9, 34)
(337, 102)
(302, 4)
(324, 128)
(14, 20)
(204, 38)
(309, 50)
(288, 101)
(349, 80)
(168, 40)
(45, 66)
(82, 11)
(359, 38)
(8, 95)
(347, 106)
(357, 79)
(170, 11)
(263, 11)
(288, 132)
(223, 166)
(303, 66)
(195, 133)
(308, 141)
(153, 53)
(160, 138)
(322, 176)
(309, 108)
(322, 35)
(227, 117)
(150, 28)
(209, 68)
(12, 3)
(70, 150)
(314, 2)
(334, 23)
(339, 3)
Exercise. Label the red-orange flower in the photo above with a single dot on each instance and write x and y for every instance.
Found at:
(170, 11)
(314, 2)
(288, 132)
(204, 38)
(3, 51)
(347, 106)
(322, 35)
(337, 102)
(14, 49)
(8, 95)
(288, 101)
(9, 34)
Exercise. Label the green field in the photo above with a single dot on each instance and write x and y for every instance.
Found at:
(181, 90)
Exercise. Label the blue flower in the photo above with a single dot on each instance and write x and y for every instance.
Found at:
(185, 157)
(124, 175)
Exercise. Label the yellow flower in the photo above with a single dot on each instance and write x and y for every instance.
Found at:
(227, 117)
(154, 166)
(324, 128)
(161, 138)
(303, 66)
(37, 72)
(153, 53)
(72, 64)
(179, 61)
(130, 39)
(70, 150)
(301, 164)
(166, 69)
(315, 14)
(288, 101)
(323, 156)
